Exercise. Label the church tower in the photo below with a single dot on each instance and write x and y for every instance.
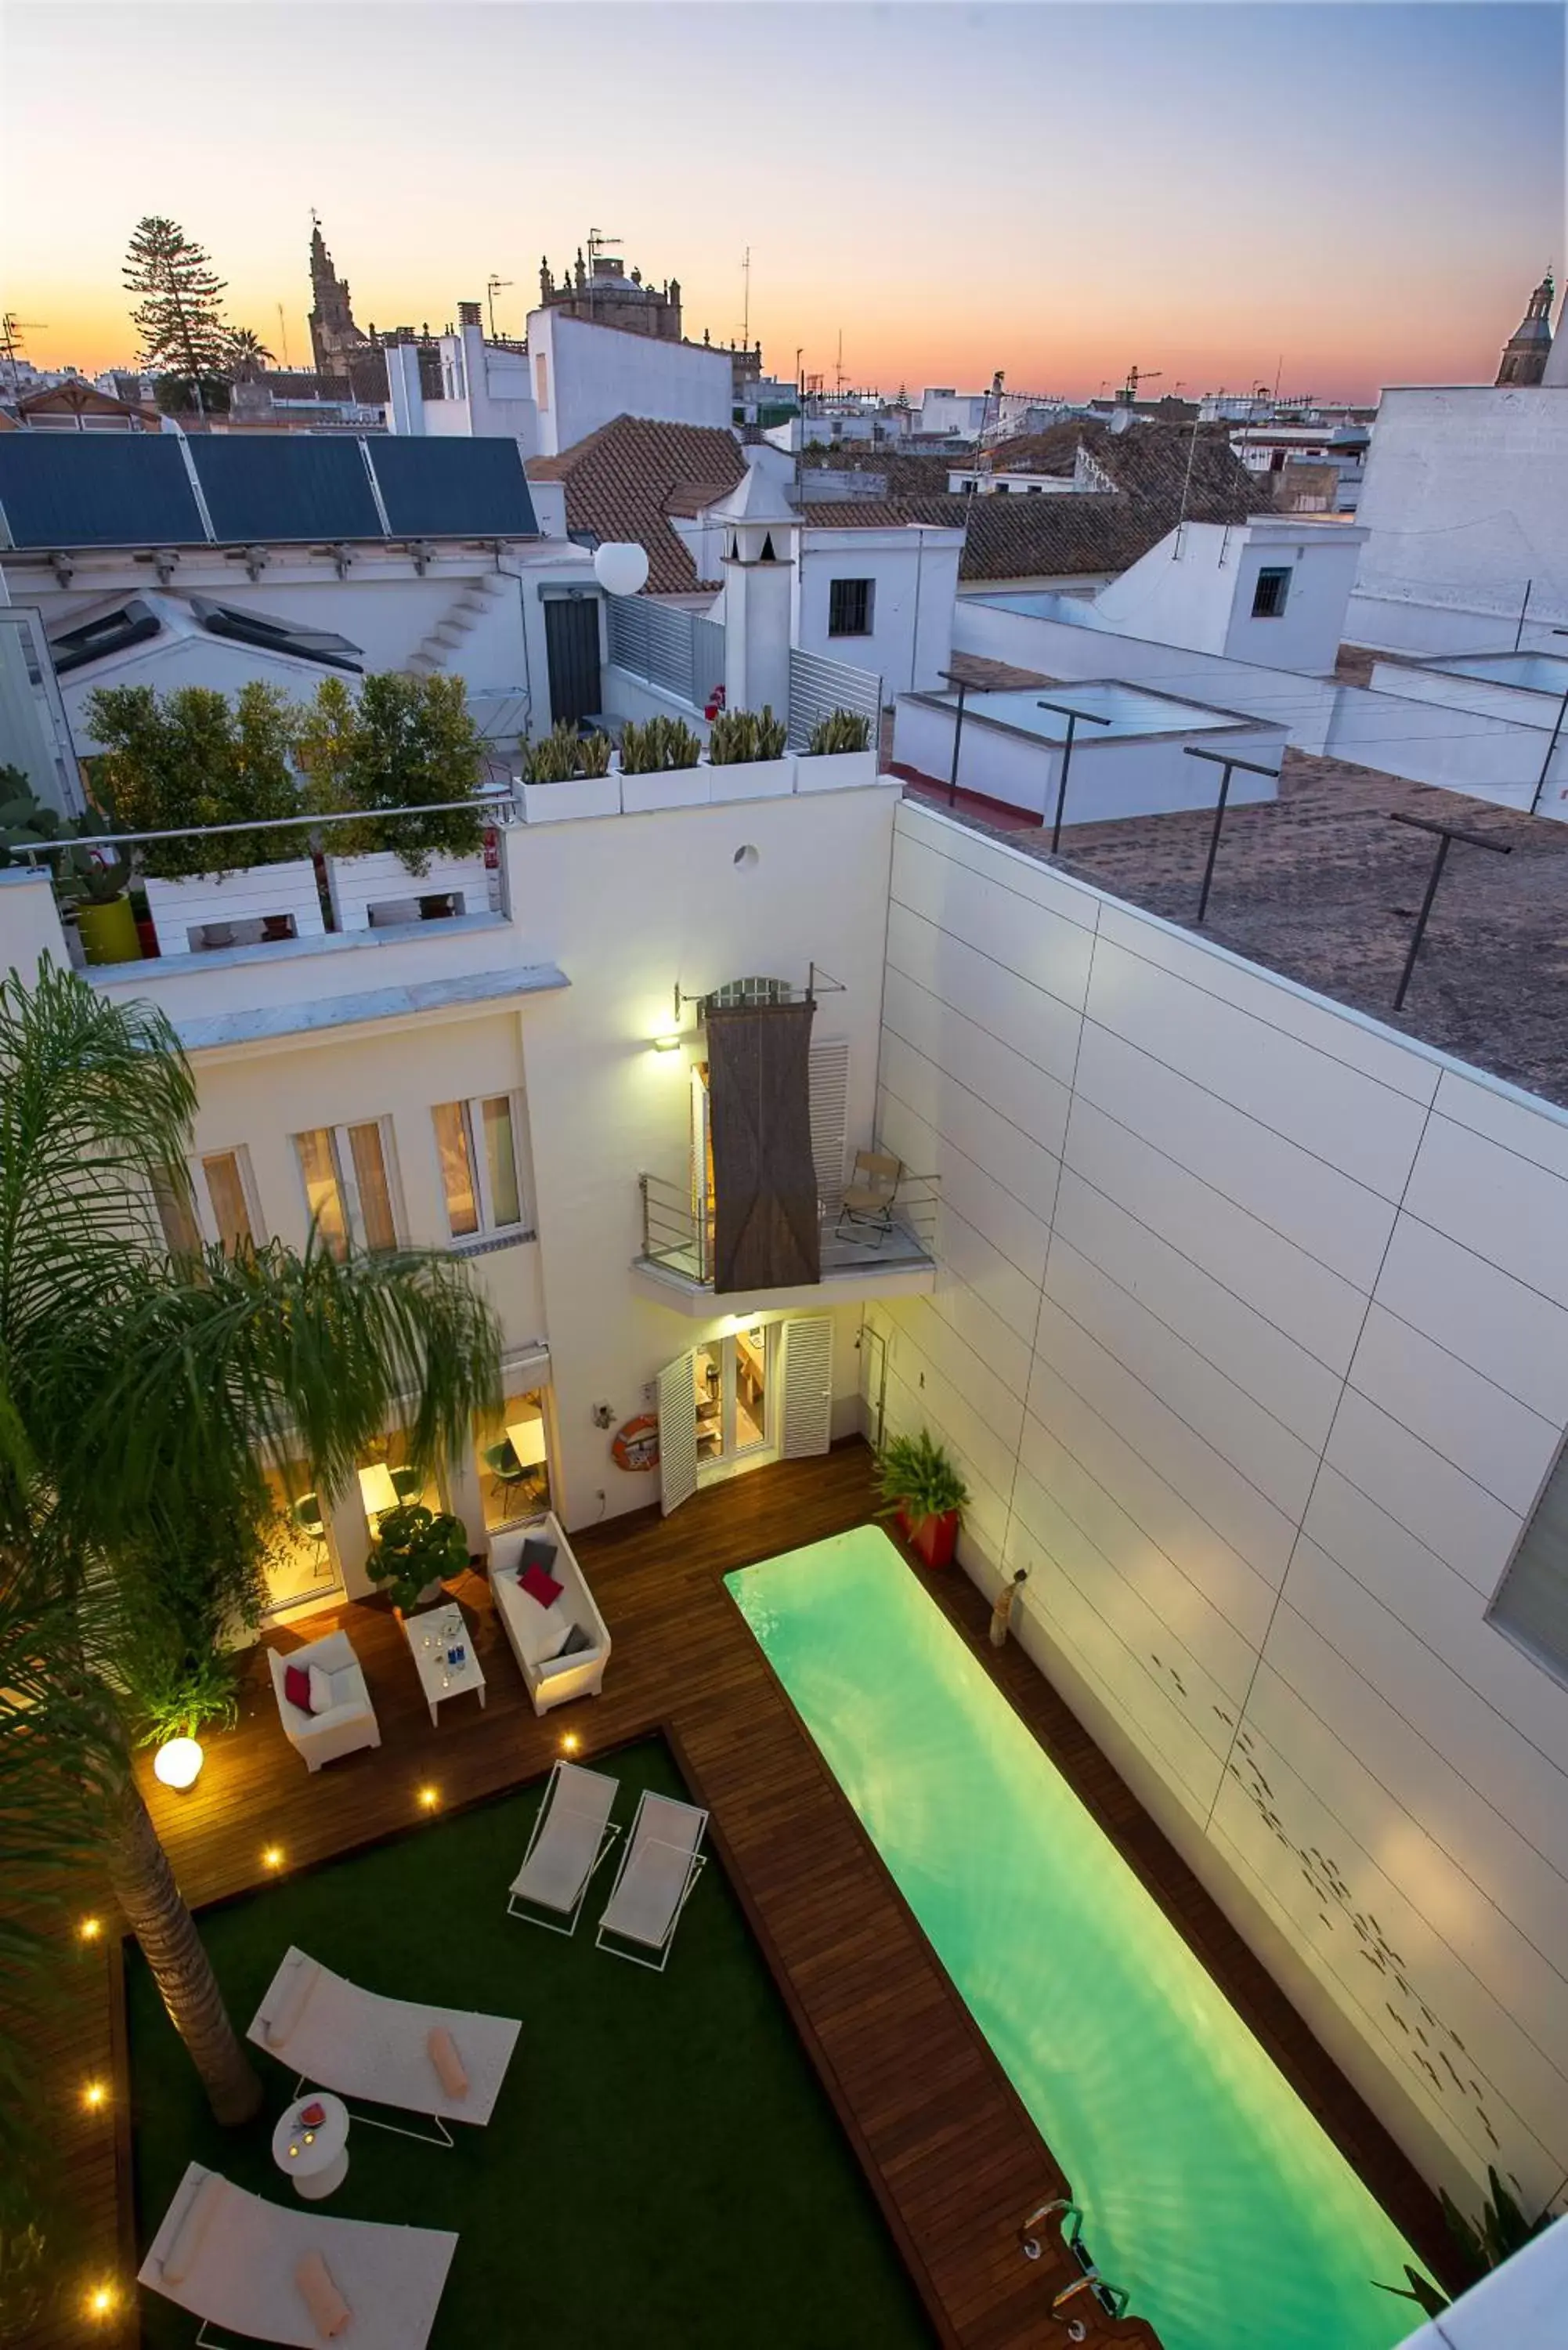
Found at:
(334, 337)
(1529, 348)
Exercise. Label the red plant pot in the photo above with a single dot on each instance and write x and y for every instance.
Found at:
(936, 1539)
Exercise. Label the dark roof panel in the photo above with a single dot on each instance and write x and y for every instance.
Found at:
(291, 486)
(80, 489)
(453, 489)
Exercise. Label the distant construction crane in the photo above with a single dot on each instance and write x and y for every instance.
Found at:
(12, 331)
(493, 287)
(1137, 376)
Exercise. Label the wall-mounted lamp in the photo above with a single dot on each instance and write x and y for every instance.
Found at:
(667, 1044)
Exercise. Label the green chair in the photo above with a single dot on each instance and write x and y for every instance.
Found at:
(307, 1515)
(407, 1484)
(502, 1463)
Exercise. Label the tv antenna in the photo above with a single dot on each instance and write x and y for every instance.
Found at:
(598, 241)
(12, 332)
(746, 300)
(493, 287)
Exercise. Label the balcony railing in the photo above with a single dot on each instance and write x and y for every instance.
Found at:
(678, 1230)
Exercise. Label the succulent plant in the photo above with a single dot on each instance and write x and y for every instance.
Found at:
(737, 736)
(553, 758)
(594, 754)
(841, 730)
(657, 746)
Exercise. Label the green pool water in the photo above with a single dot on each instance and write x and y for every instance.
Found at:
(1208, 2191)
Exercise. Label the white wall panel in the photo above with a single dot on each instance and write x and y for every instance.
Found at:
(1534, 1129)
(1293, 1386)
(1509, 1333)
(992, 1279)
(1058, 895)
(1006, 1357)
(1015, 931)
(1017, 1089)
(1503, 1445)
(1506, 1208)
(1320, 1310)
(1237, 1510)
(1241, 1431)
(1037, 1024)
(1021, 1235)
(1423, 1492)
(1011, 1158)
(1353, 1123)
(1337, 1221)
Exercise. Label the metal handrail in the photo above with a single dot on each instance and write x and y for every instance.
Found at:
(1112, 2299)
(499, 805)
(678, 1221)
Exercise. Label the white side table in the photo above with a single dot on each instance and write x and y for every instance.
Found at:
(430, 1637)
(314, 2155)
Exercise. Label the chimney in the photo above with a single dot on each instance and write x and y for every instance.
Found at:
(468, 314)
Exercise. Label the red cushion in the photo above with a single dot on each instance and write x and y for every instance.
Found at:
(297, 1687)
(540, 1586)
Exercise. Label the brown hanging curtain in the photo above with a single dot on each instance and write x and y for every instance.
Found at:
(765, 1228)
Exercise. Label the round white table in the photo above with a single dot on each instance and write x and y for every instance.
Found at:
(313, 2154)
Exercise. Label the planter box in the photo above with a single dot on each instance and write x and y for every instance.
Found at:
(935, 1539)
(835, 771)
(585, 796)
(753, 779)
(380, 882)
(239, 904)
(673, 787)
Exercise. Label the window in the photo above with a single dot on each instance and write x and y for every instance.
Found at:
(1531, 1603)
(1269, 597)
(217, 1201)
(348, 1184)
(849, 608)
(541, 381)
(512, 1456)
(477, 1144)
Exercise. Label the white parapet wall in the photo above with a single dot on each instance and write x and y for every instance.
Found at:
(1250, 1339)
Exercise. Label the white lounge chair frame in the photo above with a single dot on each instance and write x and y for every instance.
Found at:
(239, 2275)
(363, 2045)
(558, 1799)
(665, 1826)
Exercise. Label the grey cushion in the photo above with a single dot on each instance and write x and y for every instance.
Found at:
(537, 1553)
(577, 1642)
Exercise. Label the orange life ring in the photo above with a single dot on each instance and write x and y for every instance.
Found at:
(636, 1446)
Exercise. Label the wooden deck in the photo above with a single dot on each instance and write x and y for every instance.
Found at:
(946, 2143)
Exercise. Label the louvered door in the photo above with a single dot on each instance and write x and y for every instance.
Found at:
(678, 1431)
(806, 1423)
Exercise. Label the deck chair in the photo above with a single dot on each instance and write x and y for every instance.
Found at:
(868, 1197)
(572, 1832)
(232, 2259)
(658, 1873)
(443, 2063)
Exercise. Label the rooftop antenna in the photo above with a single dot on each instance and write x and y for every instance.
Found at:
(598, 241)
(746, 300)
(493, 287)
(12, 331)
(1187, 484)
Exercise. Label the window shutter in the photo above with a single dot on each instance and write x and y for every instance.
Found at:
(807, 1424)
(1532, 1600)
(829, 1117)
(678, 1431)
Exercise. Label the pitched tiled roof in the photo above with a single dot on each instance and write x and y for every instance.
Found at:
(1050, 452)
(625, 482)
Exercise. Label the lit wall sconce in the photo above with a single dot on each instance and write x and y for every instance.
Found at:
(667, 1044)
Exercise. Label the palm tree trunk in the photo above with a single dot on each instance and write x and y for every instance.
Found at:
(144, 1885)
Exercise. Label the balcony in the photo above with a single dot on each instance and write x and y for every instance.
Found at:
(675, 1263)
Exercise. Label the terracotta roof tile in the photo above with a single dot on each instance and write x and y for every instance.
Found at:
(627, 480)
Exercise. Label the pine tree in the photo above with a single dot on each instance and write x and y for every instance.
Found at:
(179, 316)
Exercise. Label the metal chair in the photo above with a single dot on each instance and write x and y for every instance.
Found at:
(869, 1196)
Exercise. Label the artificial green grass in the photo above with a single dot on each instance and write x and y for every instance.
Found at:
(663, 2167)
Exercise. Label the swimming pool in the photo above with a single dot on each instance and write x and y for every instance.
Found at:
(1208, 2191)
(1538, 672)
(1126, 709)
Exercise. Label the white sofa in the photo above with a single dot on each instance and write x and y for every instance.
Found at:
(533, 1631)
(348, 1724)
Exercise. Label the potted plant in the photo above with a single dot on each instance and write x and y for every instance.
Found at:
(659, 765)
(416, 1551)
(837, 753)
(405, 743)
(88, 883)
(750, 745)
(922, 1488)
(566, 774)
(181, 762)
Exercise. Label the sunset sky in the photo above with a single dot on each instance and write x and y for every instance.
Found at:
(1367, 195)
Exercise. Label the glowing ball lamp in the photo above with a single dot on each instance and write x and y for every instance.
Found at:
(178, 1762)
(620, 566)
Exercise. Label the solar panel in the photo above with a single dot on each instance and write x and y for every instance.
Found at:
(453, 489)
(280, 487)
(84, 489)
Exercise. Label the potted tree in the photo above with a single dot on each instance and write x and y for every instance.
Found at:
(184, 762)
(405, 743)
(416, 1551)
(659, 766)
(922, 1488)
(837, 753)
(750, 745)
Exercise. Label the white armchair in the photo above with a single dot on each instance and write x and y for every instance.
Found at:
(348, 1724)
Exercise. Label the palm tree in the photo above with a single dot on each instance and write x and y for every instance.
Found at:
(247, 353)
(129, 1376)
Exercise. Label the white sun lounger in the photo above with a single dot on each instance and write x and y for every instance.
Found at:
(229, 2258)
(338, 2036)
(658, 1871)
(572, 1833)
